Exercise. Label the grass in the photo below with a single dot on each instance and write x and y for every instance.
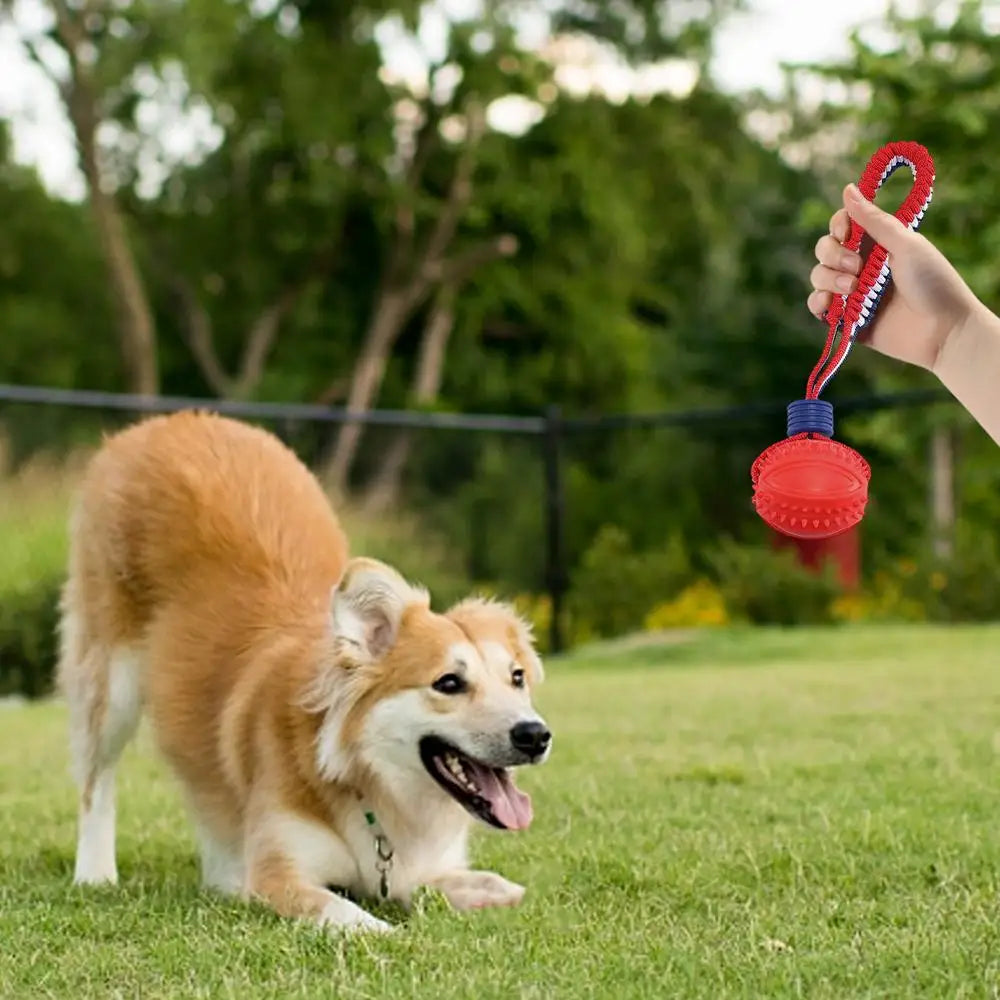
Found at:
(769, 814)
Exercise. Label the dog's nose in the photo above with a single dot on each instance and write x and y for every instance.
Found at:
(531, 738)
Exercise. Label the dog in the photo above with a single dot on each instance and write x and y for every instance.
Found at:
(329, 730)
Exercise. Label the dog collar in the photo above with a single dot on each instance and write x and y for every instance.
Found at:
(383, 853)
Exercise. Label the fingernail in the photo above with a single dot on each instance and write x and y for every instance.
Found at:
(850, 262)
(854, 192)
(845, 282)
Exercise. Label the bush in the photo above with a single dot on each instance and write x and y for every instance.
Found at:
(698, 606)
(412, 547)
(964, 587)
(33, 508)
(887, 598)
(767, 587)
(537, 610)
(28, 644)
(615, 586)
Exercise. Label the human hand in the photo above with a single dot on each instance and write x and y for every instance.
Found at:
(927, 300)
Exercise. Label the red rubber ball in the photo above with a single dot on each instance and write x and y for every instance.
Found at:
(810, 487)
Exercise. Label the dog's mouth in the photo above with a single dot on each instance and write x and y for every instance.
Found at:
(489, 793)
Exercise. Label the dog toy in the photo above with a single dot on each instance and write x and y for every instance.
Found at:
(808, 485)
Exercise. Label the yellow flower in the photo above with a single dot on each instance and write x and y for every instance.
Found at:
(700, 605)
(850, 608)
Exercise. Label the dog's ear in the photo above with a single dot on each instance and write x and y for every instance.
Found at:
(367, 609)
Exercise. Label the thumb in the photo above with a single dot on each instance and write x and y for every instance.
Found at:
(879, 225)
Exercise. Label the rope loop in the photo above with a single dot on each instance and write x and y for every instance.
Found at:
(849, 314)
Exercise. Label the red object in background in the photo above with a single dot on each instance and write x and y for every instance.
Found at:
(843, 550)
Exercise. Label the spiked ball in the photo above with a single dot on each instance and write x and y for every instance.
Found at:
(810, 487)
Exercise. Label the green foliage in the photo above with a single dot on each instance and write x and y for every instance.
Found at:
(902, 78)
(895, 82)
(615, 586)
(413, 546)
(963, 587)
(663, 254)
(644, 30)
(28, 642)
(52, 292)
(971, 590)
(33, 514)
(766, 587)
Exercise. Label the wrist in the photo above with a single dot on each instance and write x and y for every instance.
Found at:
(959, 340)
(967, 366)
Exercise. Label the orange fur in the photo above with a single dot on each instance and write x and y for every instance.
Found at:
(203, 560)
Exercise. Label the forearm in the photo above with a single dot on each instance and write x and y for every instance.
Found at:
(968, 365)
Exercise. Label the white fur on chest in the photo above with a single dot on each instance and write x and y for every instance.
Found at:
(349, 860)
(316, 850)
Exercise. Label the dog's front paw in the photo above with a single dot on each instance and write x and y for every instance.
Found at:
(344, 917)
(469, 890)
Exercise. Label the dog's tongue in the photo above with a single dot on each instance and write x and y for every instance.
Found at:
(511, 806)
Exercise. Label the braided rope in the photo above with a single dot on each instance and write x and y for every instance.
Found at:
(851, 313)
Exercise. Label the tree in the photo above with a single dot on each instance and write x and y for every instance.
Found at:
(419, 259)
(81, 34)
(661, 264)
(242, 238)
(276, 169)
(428, 379)
(51, 276)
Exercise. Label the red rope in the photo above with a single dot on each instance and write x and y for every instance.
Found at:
(847, 313)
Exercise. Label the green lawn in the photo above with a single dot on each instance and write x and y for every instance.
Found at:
(769, 814)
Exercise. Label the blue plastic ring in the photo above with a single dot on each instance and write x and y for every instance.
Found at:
(810, 416)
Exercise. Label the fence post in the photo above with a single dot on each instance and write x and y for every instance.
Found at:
(555, 517)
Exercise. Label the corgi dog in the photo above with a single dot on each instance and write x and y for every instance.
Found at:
(329, 730)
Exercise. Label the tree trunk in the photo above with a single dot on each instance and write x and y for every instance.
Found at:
(386, 324)
(427, 381)
(136, 327)
(942, 470)
(411, 275)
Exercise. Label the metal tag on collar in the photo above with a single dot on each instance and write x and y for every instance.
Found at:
(383, 855)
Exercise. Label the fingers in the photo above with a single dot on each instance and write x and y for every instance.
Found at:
(829, 279)
(837, 268)
(827, 282)
(880, 226)
(840, 225)
(818, 303)
(832, 254)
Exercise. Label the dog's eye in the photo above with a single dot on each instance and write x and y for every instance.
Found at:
(517, 678)
(450, 684)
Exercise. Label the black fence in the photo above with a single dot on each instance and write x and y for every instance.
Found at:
(548, 441)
